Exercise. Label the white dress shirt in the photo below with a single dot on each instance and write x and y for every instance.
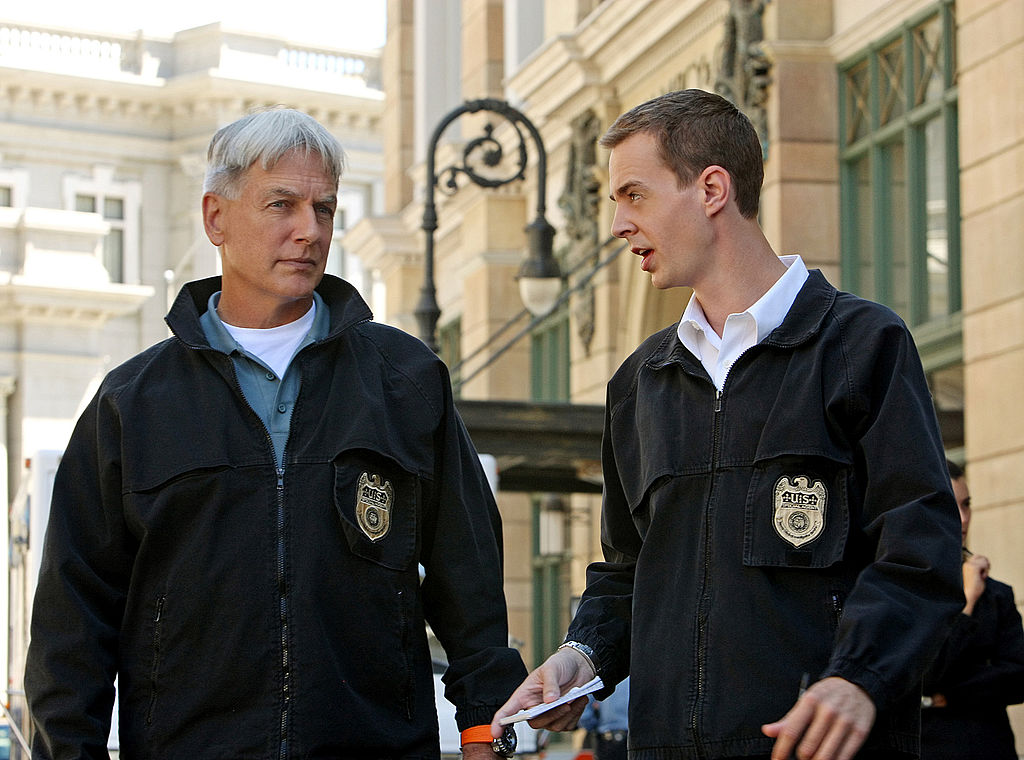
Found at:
(741, 331)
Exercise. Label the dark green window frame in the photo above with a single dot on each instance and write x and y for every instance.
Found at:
(549, 382)
(894, 97)
(549, 358)
(887, 102)
(550, 585)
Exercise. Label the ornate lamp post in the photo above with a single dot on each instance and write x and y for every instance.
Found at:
(539, 277)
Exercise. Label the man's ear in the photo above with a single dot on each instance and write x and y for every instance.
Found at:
(716, 185)
(213, 215)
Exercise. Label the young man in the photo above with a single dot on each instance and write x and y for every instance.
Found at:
(240, 518)
(780, 539)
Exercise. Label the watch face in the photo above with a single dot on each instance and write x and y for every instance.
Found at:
(505, 746)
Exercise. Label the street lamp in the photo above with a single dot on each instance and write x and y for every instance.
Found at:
(539, 277)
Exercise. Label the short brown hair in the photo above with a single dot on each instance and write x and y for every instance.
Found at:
(696, 129)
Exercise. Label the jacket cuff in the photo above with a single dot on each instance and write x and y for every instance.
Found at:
(475, 716)
(876, 687)
(602, 657)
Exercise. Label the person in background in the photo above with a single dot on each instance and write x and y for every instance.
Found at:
(240, 518)
(980, 669)
(774, 575)
(608, 721)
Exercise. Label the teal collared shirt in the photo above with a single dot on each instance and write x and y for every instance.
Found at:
(271, 397)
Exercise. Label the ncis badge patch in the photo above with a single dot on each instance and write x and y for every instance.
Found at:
(374, 497)
(799, 509)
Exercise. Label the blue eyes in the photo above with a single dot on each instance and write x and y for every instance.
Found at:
(320, 210)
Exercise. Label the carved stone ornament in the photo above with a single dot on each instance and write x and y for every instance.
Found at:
(744, 73)
(579, 202)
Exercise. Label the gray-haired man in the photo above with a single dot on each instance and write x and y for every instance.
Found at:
(240, 516)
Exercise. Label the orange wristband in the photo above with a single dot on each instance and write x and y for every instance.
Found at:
(477, 734)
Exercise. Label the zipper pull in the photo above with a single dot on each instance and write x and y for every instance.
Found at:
(718, 401)
(280, 478)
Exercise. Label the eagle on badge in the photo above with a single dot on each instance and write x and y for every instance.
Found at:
(374, 497)
(799, 509)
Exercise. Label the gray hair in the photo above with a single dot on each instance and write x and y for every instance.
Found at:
(265, 136)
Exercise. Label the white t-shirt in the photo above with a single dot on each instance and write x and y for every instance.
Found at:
(275, 346)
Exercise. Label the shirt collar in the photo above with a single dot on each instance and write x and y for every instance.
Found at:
(768, 311)
(771, 308)
(219, 337)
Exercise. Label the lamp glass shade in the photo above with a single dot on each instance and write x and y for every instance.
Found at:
(539, 293)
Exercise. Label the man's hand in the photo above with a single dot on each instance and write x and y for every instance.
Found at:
(975, 570)
(562, 671)
(830, 721)
(478, 751)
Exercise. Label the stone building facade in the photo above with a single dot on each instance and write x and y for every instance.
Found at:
(893, 135)
(102, 152)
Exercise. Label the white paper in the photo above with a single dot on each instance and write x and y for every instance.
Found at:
(574, 693)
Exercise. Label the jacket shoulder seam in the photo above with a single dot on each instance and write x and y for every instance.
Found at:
(366, 329)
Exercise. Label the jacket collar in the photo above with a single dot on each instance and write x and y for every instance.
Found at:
(803, 321)
(343, 301)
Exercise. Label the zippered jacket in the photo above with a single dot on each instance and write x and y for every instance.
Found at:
(251, 611)
(798, 525)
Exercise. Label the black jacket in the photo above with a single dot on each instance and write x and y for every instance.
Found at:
(980, 670)
(246, 611)
(799, 522)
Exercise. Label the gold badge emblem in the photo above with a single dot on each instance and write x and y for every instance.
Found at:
(373, 505)
(799, 509)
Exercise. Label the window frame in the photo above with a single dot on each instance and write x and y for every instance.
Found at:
(906, 127)
(102, 186)
(939, 338)
(550, 359)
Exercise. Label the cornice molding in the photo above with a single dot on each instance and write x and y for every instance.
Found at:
(52, 99)
(25, 301)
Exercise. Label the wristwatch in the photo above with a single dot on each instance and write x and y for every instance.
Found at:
(503, 746)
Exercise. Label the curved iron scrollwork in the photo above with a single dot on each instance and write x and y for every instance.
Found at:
(483, 151)
(486, 151)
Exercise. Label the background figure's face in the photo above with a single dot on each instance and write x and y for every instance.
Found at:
(274, 239)
(663, 222)
(963, 501)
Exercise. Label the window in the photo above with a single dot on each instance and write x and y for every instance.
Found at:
(449, 340)
(550, 570)
(113, 243)
(119, 205)
(900, 186)
(6, 196)
(549, 359)
(336, 263)
(900, 191)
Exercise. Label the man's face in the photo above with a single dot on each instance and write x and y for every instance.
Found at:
(274, 239)
(663, 223)
(963, 501)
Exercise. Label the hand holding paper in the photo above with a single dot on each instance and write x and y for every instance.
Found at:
(574, 693)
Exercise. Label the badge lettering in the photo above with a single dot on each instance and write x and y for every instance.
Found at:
(799, 509)
(374, 498)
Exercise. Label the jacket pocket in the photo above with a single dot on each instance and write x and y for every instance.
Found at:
(378, 501)
(797, 512)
